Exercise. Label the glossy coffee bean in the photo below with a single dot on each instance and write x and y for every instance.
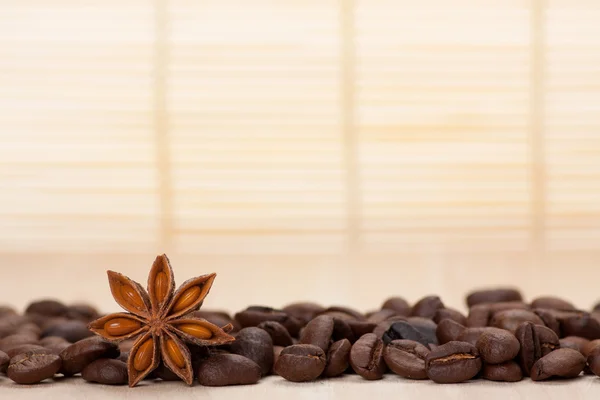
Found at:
(493, 296)
(301, 363)
(255, 344)
(398, 304)
(453, 362)
(79, 355)
(551, 302)
(318, 332)
(4, 360)
(254, 315)
(561, 363)
(497, 346)
(47, 308)
(72, 331)
(536, 341)
(449, 313)
(508, 371)
(228, 369)
(278, 333)
(511, 319)
(575, 343)
(33, 367)
(304, 311)
(366, 357)
(106, 371)
(338, 358)
(427, 307)
(406, 358)
(448, 330)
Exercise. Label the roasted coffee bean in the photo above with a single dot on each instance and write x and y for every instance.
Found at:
(18, 339)
(344, 313)
(33, 367)
(47, 308)
(590, 346)
(472, 335)
(496, 346)
(318, 332)
(4, 360)
(278, 333)
(383, 326)
(448, 330)
(30, 329)
(575, 343)
(453, 362)
(301, 363)
(536, 342)
(72, 331)
(366, 357)
(593, 361)
(480, 314)
(79, 355)
(11, 324)
(338, 358)
(427, 307)
(56, 346)
(107, 371)
(580, 324)
(547, 315)
(342, 330)
(561, 363)
(276, 352)
(552, 302)
(255, 344)
(24, 348)
(360, 328)
(406, 358)
(511, 319)
(404, 330)
(377, 317)
(449, 313)
(254, 315)
(493, 296)
(228, 369)
(304, 311)
(398, 304)
(508, 371)
(82, 312)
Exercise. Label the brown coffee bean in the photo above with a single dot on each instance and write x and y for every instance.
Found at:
(47, 308)
(24, 348)
(593, 361)
(318, 332)
(255, 344)
(106, 371)
(472, 335)
(383, 326)
(453, 362)
(33, 367)
(366, 357)
(72, 331)
(254, 315)
(536, 341)
(449, 313)
(18, 339)
(580, 324)
(493, 296)
(554, 303)
(301, 363)
(480, 314)
(338, 358)
(304, 311)
(562, 363)
(398, 304)
(228, 369)
(448, 330)
(79, 355)
(508, 371)
(342, 330)
(360, 328)
(404, 330)
(406, 358)
(278, 333)
(547, 315)
(511, 319)
(379, 316)
(4, 360)
(10, 324)
(276, 352)
(496, 346)
(427, 307)
(82, 312)
(590, 346)
(575, 343)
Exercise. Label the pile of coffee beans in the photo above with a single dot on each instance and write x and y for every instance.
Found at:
(501, 338)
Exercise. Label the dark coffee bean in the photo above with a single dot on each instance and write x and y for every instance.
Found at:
(106, 371)
(383, 326)
(276, 352)
(338, 358)
(344, 313)
(4, 360)
(480, 314)
(301, 363)
(493, 296)
(398, 304)
(82, 312)
(575, 343)
(448, 330)
(406, 358)
(593, 361)
(278, 333)
(449, 313)
(72, 331)
(472, 335)
(590, 346)
(77, 356)
(360, 328)
(426, 326)
(318, 332)
(404, 330)
(366, 357)
(427, 307)
(506, 372)
(342, 330)
(47, 308)
(511, 319)
(228, 369)
(496, 346)
(255, 344)
(381, 315)
(18, 339)
(549, 319)
(453, 362)
(552, 302)
(24, 348)
(579, 324)
(536, 341)
(561, 363)
(33, 367)
(254, 315)
(305, 311)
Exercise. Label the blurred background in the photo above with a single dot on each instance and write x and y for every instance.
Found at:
(337, 151)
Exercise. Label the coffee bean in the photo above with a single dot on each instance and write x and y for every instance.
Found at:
(406, 358)
(107, 371)
(278, 333)
(10, 324)
(33, 367)
(383, 326)
(547, 315)
(72, 331)
(399, 305)
(579, 324)
(562, 363)
(276, 352)
(511, 319)
(228, 369)
(508, 371)
(47, 308)
(318, 332)
(254, 315)
(377, 317)
(4, 360)
(552, 302)
(255, 344)
(344, 313)
(536, 342)
(427, 307)
(593, 361)
(360, 328)
(304, 311)
(77, 356)
(480, 314)
(366, 357)
(338, 358)
(18, 339)
(24, 348)
(496, 346)
(82, 312)
(590, 346)
(575, 343)
(404, 330)
(301, 363)
(342, 330)
(448, 330)
(453, 362)
(493, 296)
(472, 335)
(449, 313)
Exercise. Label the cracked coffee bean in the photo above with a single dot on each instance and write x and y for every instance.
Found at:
(536, 341)
(366, 357)
(301, 363)
(406, 358)
(453, 362)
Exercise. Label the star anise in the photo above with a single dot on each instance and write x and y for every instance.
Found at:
(158, 318)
